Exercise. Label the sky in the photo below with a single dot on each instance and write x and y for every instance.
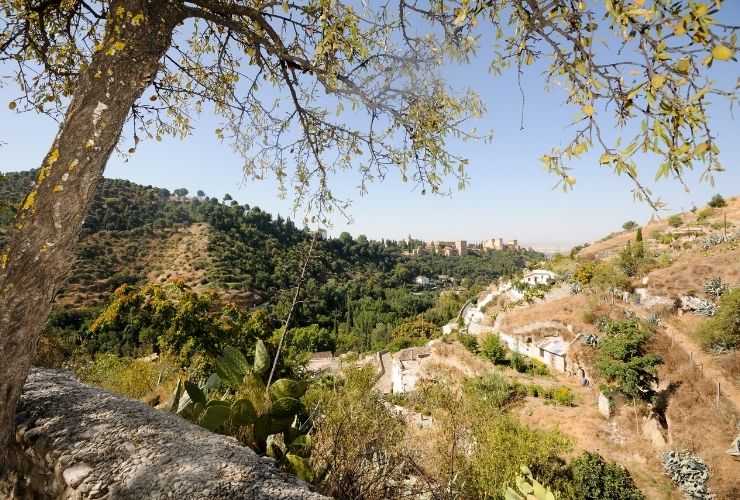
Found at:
(509, 196)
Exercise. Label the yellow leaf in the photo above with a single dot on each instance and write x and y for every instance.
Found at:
(683, 66)
(700, 149)
(722, 53)
(460, 18)
(588, 110)
(657, 81)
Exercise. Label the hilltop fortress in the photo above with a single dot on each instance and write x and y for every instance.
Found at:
(459, 247)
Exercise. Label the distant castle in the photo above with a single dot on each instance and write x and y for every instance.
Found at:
(459, 247)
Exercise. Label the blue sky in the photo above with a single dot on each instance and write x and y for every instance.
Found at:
(509, 195)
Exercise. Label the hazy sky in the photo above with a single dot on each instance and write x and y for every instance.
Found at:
(510, 195)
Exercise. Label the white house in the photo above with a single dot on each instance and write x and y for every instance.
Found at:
(422, 281)
(406, 368)
(552, 351)
(539, 277)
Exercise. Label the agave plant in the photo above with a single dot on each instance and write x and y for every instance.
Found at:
(528, 488)
(272, 415)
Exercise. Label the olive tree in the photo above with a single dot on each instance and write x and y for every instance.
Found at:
(279, 74)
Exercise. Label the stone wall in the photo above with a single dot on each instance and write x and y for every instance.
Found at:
(79, 442)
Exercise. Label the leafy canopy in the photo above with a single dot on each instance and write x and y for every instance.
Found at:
(280, 75)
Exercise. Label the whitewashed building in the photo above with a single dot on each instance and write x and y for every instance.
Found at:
(539, 277)
(422, 281)
(552, 351)
(406, 369)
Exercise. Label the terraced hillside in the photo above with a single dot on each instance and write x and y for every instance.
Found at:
(136, 234)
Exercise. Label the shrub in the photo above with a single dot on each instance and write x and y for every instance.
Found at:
(629, 225)
(493, 349)
(518, 362)
(493, 389)
(704, 213)
(623, 362)
(535, 390)
(722, 331)
(715, 287)
(476, 449)
(537, 368)
(356, 430)
(717, 201)
(563, 396)
(675, 220)
(469, 342)
(596, 479)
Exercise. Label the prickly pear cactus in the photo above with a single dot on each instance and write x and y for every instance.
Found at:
(528, 488)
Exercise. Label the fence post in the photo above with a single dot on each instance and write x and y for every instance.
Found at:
(718, 392)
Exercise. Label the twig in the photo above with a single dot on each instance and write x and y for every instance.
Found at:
(292, 307)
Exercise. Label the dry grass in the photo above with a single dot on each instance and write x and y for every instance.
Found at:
(569, 310)
(689, 272)
(617, 440)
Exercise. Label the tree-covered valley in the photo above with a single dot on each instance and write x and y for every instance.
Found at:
(237, 267)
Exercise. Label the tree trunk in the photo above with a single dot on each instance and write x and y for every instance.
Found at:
(46, 229)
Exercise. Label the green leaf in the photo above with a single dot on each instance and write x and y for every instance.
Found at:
(539, 491)
(261, 359)
(196, 395)
(523, 486)
(512, 495)
(176, 397)
(214, 417)
(301, 445)
(213, 382)
(218, 402)
(300, 467)
(242, 412)
(287, 388)
(274, 448)
(232, 366)
(285, 407)
(262, 431)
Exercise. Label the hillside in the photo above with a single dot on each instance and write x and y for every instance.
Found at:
(666, 275)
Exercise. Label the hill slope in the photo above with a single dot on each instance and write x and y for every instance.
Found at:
(136, 234)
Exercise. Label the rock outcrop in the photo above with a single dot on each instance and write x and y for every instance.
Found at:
(78, 442)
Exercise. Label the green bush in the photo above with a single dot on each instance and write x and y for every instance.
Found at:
(717, 201)
(469, 342)
(357, 428)
(596, 479)
(722, 331)
(535, 390)
(519, 362)
(675, 220)
(494, 389)
(492, 349)
(623, 361)
(563, 396)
